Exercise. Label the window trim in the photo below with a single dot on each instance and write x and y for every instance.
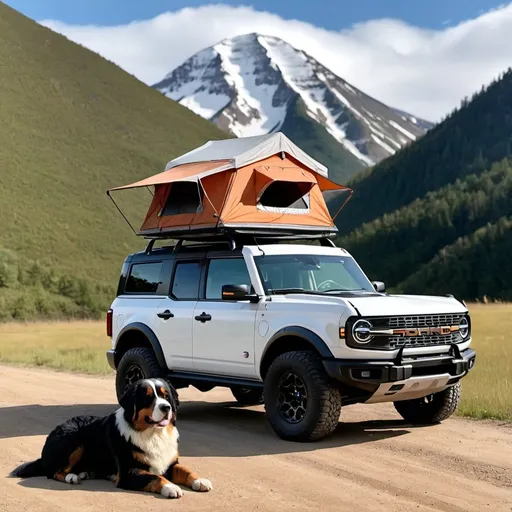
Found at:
(206, 268)
(200, 262)
(159, 289)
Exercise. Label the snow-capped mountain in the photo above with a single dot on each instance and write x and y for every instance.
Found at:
(255, 84)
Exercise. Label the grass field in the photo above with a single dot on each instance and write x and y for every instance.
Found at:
(80, 347)
(77, 346)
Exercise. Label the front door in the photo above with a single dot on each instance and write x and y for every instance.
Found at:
(223, 331)
(175, 314)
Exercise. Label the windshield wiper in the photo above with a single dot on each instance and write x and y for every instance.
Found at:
(282, 291)
(339, 290)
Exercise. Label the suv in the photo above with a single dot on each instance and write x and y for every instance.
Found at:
(297, 327)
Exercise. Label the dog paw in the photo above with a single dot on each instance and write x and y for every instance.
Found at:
(86, 476)
(72, 479)
(171, 491)
(202, 485)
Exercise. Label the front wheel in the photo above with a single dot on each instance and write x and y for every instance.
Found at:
(300, 402)
(431, 409)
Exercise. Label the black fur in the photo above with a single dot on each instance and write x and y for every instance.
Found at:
(105, 452)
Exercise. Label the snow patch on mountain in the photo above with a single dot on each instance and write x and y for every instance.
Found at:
(247, 84)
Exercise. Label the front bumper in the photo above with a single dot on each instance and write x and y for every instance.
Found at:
(369, 376)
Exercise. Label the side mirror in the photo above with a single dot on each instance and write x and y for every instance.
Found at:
(238, 292)
(379, 286)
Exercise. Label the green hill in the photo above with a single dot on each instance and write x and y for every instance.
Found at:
(473, 267)
(412, 235)
(468, 141)
(72, 125)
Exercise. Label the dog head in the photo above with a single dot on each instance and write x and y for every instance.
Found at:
(150, 403)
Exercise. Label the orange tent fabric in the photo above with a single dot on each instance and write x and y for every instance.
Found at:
(278, 189)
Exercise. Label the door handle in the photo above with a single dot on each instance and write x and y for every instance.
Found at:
(165, 315)
(203, 317)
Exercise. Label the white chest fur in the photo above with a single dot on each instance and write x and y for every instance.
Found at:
(160, 446)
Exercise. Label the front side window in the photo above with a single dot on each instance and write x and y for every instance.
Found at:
(224, 271)
(144, 278)
(311, 273)
(185, 285)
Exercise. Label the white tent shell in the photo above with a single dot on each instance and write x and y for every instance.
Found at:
(245, 151)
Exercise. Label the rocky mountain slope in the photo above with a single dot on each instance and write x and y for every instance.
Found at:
(255, 84)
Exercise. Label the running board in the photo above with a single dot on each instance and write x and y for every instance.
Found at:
(192, 378)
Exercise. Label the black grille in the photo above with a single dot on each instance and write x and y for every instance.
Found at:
(393, 342)
(397, 322)
(424, 341)
(427, 340)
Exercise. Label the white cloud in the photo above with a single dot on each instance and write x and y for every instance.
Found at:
(425, 72)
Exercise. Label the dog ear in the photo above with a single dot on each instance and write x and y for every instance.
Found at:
(127, 401)
(174, 395)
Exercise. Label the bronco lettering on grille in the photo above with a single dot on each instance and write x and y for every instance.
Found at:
(422, 331)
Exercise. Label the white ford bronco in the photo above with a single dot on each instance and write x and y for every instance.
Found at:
(296, 327)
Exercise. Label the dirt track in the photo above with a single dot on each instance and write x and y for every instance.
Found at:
(373, 462)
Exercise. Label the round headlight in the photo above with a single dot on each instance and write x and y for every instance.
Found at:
(361, 331)
(464, 328)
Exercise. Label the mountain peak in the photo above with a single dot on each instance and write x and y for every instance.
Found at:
(252, 84)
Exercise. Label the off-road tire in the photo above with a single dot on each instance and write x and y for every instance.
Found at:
(141, 358)
(432, 409)
(247, 396)
(323, 400)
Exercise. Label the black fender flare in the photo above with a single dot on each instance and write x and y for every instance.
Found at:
(151, 337)
(300, 332)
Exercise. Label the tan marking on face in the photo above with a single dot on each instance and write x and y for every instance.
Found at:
(139, 422)
(149, 391)
(163, 391)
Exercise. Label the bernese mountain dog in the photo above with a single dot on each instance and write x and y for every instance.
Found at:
(135, 446)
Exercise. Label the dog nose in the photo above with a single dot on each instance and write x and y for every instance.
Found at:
(165, 408)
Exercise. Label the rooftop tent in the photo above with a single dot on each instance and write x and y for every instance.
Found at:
(253, 184)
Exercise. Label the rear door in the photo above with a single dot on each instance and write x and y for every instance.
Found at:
(174, 315)
(223, 331)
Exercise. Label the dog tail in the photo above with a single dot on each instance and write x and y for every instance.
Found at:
(29, 469)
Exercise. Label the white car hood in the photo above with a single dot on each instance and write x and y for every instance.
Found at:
(397, 305)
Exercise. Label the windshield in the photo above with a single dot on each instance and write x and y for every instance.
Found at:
(289, 273)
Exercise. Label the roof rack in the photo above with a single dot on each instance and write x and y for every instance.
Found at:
(238, 239)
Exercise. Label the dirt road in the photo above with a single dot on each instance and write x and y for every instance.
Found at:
(373, 462)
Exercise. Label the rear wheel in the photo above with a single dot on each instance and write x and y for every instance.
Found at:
(300, 402)
(247, 396)
(136, 364)
(433, 408)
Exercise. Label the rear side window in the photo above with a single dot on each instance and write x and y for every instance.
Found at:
(144, 278)
(185, 285)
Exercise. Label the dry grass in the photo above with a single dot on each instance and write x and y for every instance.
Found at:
(77, 346)
(487, 390)
(80, 347)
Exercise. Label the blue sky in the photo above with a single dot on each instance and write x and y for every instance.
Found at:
(329, 14)
(422, 56)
